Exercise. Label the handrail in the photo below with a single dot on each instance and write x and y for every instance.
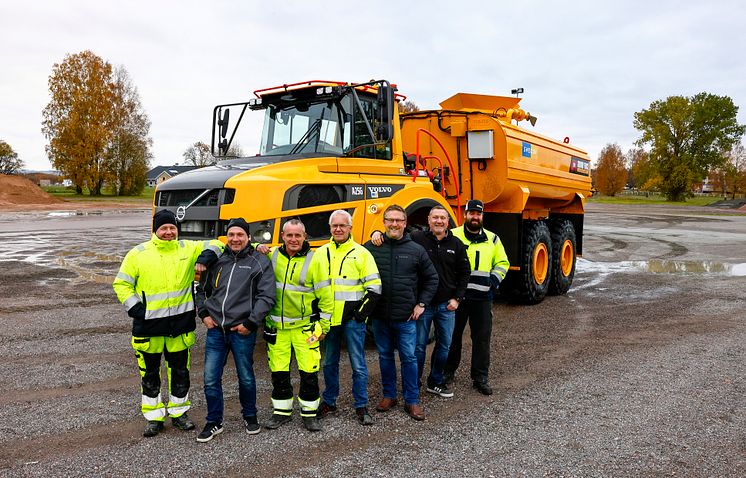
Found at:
(450, 164)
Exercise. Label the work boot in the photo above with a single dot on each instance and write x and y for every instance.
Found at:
(153, 428)
(325, 409)
(182, 422)
(415, 411)
(277, 421)
(312, 424)
(483, 388)
(363, 416)
(386, 404)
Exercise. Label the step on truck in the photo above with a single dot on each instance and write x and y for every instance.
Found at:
(329, 145)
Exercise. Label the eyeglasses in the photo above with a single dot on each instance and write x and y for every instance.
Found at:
(340, 226)
(388, 219)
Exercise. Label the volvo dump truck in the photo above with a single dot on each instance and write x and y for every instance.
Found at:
(331, 145)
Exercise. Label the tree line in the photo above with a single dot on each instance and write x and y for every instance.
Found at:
(684, 141)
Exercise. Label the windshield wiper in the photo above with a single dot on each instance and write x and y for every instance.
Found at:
(306, 138)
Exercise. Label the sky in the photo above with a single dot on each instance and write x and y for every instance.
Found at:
(585, 66)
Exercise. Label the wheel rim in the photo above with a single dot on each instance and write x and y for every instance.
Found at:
(567, 256)
(540, 263)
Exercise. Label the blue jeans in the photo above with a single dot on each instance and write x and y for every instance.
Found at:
(403, 336)
(444, 320)
(354, 335)
(217, 346)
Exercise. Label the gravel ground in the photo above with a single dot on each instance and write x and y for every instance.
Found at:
(635, 372)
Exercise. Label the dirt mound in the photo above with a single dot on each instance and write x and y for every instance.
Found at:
(18, 191)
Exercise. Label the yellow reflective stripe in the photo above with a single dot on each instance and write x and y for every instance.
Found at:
(126, 278)
(346, 296)
(153, 408)
(322, 284)
(131, 301)
(308, 409)
(283, 407)
(304, 270)
(168, 311)
(169, 295)
(177, 406)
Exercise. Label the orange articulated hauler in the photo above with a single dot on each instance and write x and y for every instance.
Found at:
(330, 145)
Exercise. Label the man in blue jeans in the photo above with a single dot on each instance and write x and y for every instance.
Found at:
(356, 286)
(233, 297)
(409, 283)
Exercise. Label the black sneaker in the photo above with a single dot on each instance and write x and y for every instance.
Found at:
(312, 424)
(483, 388)
(325, 409)
(153, 428)
(277, 421)
(252, 425)
(441, 390)
(211, 429)
(363, 416)
(182, 422)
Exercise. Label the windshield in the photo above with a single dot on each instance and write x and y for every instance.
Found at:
(315, 128)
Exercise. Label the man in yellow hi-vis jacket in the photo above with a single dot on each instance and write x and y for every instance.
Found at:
(155, 284)
(298, 321)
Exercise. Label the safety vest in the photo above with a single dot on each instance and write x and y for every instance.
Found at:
(489, 263)
(299, 280)
(352, 272)
(160, 275)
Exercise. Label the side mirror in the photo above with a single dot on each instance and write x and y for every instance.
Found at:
(223, 123)
(385, 128)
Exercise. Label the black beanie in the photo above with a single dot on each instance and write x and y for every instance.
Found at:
(239, 222)
(164, 216)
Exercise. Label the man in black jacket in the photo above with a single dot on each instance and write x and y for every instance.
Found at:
(233, 297)
(409, 283)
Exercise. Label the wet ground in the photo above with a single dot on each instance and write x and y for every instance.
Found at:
(639, 370)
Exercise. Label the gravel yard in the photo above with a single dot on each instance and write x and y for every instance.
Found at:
(640, 370)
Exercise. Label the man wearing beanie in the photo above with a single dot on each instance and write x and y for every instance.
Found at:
(233, 297)
(154, 284)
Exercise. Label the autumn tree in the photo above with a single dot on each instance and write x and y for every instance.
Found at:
(408, 107)
(199, 155)
(91, 112)
(611, 172)
(9, 162)
(687, 137)
(730, 177)
(641, 171)
(128, 153)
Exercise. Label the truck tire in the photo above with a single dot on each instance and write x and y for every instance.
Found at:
(563, 257)
(530, 284)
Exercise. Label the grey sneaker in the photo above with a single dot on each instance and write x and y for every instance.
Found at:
(441, 390)
(252, 425)
(208, 433)
(277, 421)
(182, 422)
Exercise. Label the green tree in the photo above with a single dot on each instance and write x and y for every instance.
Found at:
(78, 119)
(641, 170)
(9, 162)
(687, 137)
(611, 172)
(128, 153)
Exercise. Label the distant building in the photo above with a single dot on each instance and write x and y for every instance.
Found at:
(161, 173)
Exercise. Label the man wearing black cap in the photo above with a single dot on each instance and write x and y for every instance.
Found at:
(233, 297)
(155, 285)
(489, 265)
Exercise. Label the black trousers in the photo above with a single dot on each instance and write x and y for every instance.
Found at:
(178, 366)
(478, 313)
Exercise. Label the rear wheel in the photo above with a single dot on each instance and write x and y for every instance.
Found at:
(563, 257)
(531, 283)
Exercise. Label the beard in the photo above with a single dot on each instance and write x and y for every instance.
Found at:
(474, 225)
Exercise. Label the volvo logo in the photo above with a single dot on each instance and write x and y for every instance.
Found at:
(180, 213)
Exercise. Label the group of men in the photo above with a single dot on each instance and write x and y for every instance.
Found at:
(305, 301)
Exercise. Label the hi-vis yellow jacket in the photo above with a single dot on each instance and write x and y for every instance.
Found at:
(354, 277)
(489, 263)
(300, 280)
(160, 275)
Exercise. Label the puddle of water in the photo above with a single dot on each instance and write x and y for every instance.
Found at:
(659, 266)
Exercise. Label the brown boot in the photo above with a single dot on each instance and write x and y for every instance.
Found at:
(386, 404)
(415, 411)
